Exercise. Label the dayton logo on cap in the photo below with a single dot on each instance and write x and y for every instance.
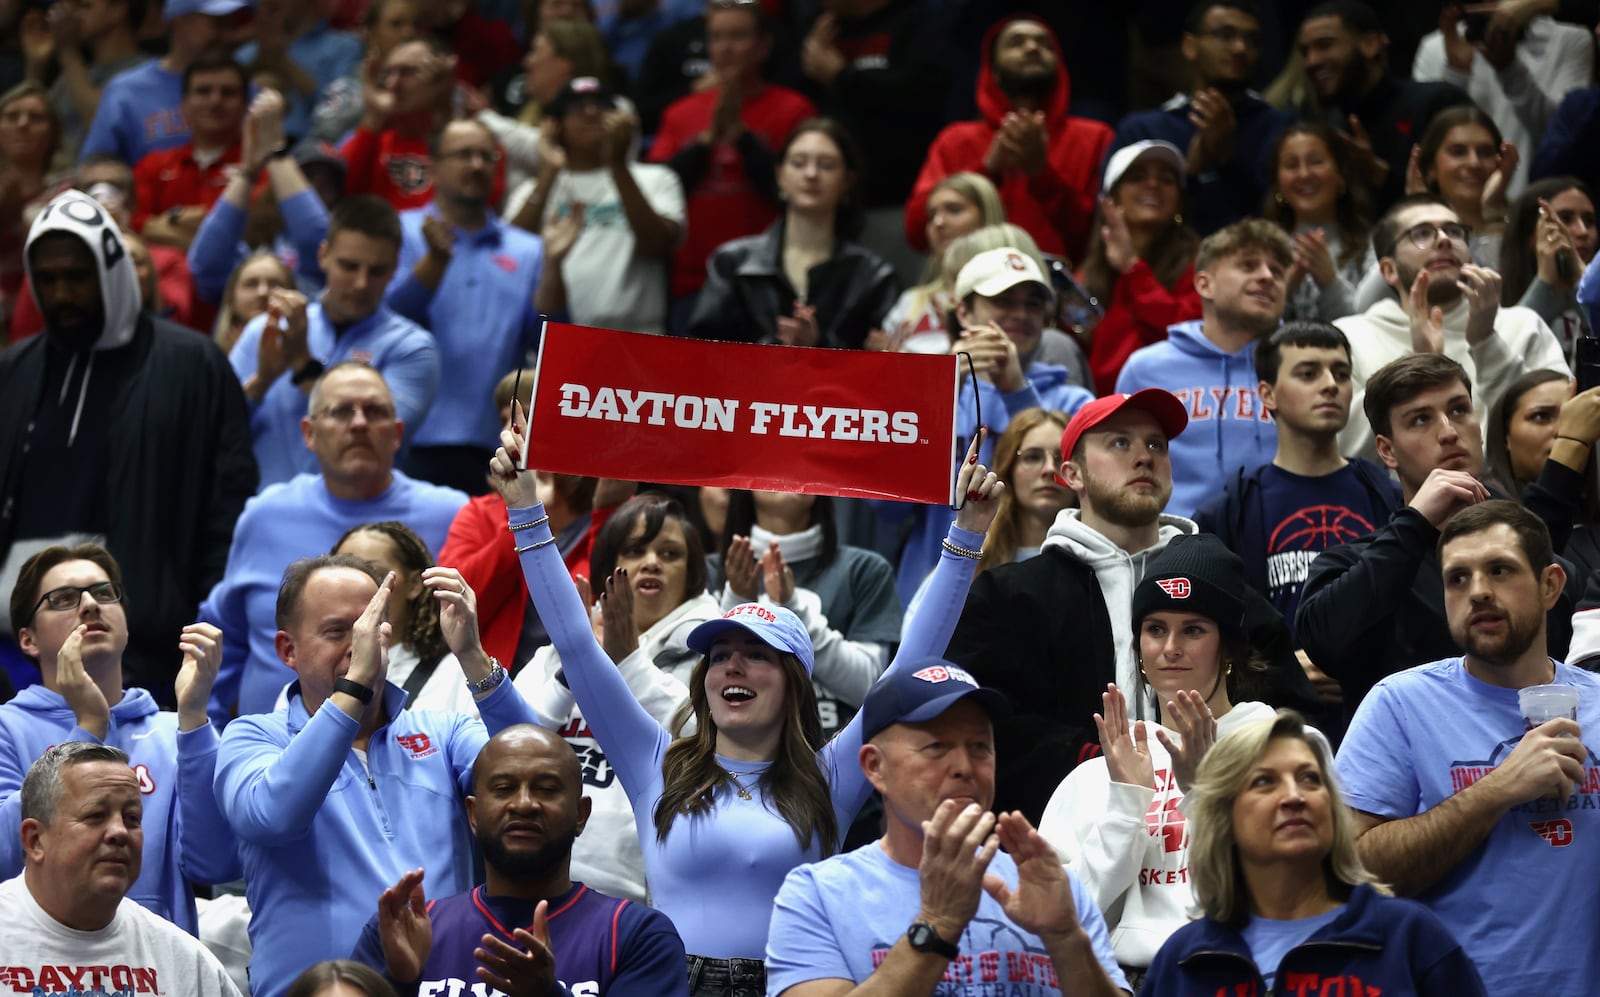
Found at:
(1014, 261)
(944, 673)
(1177, 588)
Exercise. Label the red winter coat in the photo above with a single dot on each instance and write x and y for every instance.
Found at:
(1055, 206)
(1138, 314)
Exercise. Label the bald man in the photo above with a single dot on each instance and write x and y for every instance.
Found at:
(538, 931)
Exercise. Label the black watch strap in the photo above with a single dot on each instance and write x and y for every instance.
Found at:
(356, 689)
(924, 939)
(309, 371)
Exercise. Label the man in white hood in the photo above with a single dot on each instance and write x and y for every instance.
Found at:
(1052, 632)
(121, 428)
(1442, 304)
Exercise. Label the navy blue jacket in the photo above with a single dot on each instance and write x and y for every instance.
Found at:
(1378, 944)
(1238, 188)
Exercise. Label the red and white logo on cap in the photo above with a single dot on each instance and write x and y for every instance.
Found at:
(944, 673)
(1177, 588)
(1014, 261)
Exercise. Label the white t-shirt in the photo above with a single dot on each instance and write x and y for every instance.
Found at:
(607, 286)
(137, 952)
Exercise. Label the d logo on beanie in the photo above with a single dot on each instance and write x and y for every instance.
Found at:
(1176, 588)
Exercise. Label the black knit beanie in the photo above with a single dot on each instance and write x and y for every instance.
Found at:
(1196, 574)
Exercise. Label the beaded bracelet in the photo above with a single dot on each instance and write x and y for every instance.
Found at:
(514, 527)
(960, 551)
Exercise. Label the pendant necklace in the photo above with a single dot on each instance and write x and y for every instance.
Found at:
(744, 794)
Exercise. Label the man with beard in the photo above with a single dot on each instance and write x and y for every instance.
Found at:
(1045, 162)
(531, 923)
(1346, 54)
(1053, 631)
(1443, 304)
(1240, 273)
(469, 278)
(1491, 819)
(334, 795)
(1374, 606)
(118, 425)
(1227, 130)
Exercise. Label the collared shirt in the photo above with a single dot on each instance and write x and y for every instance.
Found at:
(482, 318)
(174, 178)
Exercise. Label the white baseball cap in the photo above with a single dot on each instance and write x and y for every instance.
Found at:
(996, 271)
(1126, 156)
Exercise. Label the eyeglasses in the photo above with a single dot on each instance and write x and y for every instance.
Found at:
(490, 156)
(1228, 36)
(69, 596)
(346, 413)
(1037, 456)
(1426, 235)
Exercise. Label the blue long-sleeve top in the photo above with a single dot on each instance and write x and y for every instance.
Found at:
(322, 834)
(482, 319)
(1589, 292)
(403, 352)
(295, 519)
(185, 835)
(747, 842)
(1045, 385)
(219, 244)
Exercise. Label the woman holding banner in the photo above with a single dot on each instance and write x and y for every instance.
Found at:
(804, 281)
(754, 790)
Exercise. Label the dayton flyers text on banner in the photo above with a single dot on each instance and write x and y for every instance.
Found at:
(826, 422)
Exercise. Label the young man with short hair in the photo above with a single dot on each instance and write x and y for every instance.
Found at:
(1442, 303)
(1240, 273)
(176, 187)
(1278, 516)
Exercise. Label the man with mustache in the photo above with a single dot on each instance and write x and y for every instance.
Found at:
(121, 428)
(1442, 304)
(1491, 820)
(1241, 275)
(66, 923)
(534, 924)
(1375, 606)
(1051, 632)
(353, 429)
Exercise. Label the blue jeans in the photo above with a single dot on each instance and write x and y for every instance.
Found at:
(726, 977)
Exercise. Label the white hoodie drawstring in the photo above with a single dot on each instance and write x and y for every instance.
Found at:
(83, 393)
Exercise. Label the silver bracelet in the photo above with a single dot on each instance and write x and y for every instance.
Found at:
(960, 551)
(533, 546)
(514, 527)
(496, 675)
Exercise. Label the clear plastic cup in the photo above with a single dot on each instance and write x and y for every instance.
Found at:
(1541, 703)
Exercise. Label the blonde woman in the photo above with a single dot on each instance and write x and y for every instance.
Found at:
(1282, 889)
(919, 321)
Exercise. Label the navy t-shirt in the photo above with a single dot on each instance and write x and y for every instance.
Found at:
(1302, 517)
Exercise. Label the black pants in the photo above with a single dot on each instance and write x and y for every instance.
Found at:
(726, 977)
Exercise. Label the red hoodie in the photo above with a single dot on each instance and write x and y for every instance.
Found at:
(1056, 206)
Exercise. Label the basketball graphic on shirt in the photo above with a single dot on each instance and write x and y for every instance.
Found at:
(1318, 527)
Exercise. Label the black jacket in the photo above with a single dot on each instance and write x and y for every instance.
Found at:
(746, 291)
(1039, 631)
(179, 471)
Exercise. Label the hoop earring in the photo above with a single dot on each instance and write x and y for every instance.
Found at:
(1278, 196)
(1177, 218)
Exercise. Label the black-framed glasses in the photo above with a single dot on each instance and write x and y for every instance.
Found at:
(346, 414)
(1037, 456)
(69, 596)
(1426, 234)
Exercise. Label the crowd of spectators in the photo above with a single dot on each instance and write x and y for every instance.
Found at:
(1281, 321)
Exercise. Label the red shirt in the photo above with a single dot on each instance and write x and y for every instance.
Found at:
(397, 169)
(173, 178)
(723, 206)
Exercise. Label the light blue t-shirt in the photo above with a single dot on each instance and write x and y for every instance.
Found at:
(838, 919)
(1270, 940)
(1426, 733)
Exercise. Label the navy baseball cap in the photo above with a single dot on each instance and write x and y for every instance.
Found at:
(216, 8)
(772, 625)
(921, 691)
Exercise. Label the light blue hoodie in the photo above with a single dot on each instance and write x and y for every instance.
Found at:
(185, 835)
(1228, 428)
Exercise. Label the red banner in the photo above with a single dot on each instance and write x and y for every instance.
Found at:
(677, 411)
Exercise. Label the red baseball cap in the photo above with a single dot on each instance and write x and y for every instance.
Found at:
(1162, 405)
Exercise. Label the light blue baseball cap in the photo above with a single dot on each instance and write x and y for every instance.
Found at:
(772, 625)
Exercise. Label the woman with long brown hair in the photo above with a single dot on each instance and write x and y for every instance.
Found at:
(753, 791)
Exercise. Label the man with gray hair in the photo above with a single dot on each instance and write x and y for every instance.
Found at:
(66, 925)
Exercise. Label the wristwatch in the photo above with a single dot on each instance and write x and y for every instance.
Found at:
(350, 687)
(496, 675)
(309, 371)
(924, 939)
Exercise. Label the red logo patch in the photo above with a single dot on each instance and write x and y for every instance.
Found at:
(1177, 588)
(1014, 261)
(417, 744)
(936, 673)
(147, 785)
(506, 263)
(1557, 833)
